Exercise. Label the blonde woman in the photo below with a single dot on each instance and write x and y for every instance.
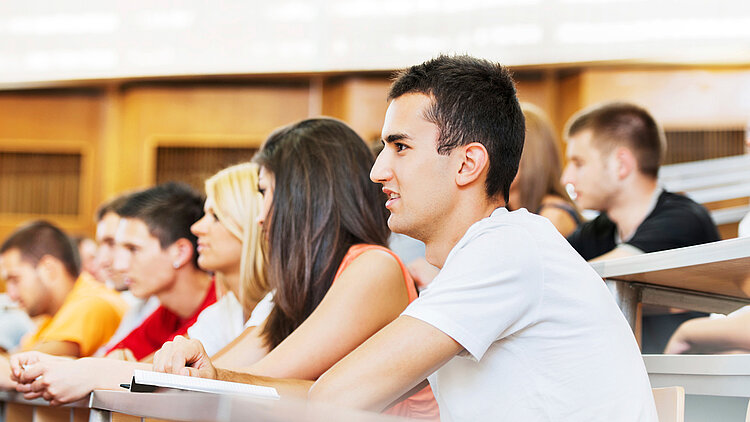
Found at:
(230, 246)
(537, 185)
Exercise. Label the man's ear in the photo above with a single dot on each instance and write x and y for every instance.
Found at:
(181, 252)
(474, 161)
(625, 161)
(50, 269)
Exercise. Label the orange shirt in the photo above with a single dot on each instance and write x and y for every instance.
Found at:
(421, 405)
(88, 317)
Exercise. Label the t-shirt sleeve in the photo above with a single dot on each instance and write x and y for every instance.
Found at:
(90, 322)
(675, 227)
(488, 289)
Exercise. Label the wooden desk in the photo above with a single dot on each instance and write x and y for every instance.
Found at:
(190, 406)
(173, 405)
(714, 277)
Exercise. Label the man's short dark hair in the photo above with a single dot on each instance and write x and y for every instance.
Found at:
(623, 124)
(168, 210)
(473, 100)
(39, 238)
(111, 206)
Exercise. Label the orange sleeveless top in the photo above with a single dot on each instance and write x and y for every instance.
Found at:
(422, 404)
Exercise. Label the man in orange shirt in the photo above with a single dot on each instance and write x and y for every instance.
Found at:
(42, 272)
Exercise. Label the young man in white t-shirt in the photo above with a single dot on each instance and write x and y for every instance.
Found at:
(516, 326)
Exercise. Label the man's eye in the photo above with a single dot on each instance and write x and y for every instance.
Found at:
(399, 146)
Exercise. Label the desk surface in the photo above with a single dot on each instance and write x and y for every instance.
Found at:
(14, 397)
(712, 375)
(192, 406)
(719, 268)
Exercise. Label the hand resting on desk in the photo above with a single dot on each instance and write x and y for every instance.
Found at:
(183, 356)
(58, 380)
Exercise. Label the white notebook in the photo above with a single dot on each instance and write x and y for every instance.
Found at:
(149, 381)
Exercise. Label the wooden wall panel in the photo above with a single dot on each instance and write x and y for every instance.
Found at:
(678, 98)
(48, 122)
(195, 115)
(540, 89)
(360, 102)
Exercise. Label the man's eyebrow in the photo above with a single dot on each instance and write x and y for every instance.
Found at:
(395, 138)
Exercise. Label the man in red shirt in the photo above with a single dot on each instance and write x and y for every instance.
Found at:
(156, 255)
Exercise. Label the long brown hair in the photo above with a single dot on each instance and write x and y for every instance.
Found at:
(323, 203)
(541, 165)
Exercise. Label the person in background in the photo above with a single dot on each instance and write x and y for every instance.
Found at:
(537, 185)
(230, 245)
(614, 153)
(87, 253)
(14, 324)
(157, 256)
(716, 334)
(41, 268)
(107, 221)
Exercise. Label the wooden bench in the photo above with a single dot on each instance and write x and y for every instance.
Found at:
(722, 185)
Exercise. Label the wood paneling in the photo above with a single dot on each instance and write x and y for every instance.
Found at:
(221, 116)
(678, 98)
(361, 102)
(193, 165)
(697, 144)
(48, 122)
(118, 127)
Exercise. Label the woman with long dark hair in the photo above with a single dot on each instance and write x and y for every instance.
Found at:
(335, 283)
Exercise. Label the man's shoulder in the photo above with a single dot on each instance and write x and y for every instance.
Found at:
(676, 208)
(89, 294)
(601, 225)
(675, 222)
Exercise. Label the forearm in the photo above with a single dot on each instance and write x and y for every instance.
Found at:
(285, 387)
(707, 335)
(108, 374)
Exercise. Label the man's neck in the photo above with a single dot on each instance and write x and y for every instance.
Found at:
(187, 293)
(633, 206)
(455, 226)
(59, 294)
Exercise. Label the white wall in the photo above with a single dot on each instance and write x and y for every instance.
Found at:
(48, 40)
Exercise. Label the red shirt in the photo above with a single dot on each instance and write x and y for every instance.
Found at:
(160, 327)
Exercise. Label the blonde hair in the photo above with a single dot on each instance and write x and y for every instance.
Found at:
(541, 161)
(237, 204)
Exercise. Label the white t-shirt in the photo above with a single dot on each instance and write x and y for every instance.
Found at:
(222, 322)
(543, 337)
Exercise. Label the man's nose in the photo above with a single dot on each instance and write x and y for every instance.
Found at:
(381, 171)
